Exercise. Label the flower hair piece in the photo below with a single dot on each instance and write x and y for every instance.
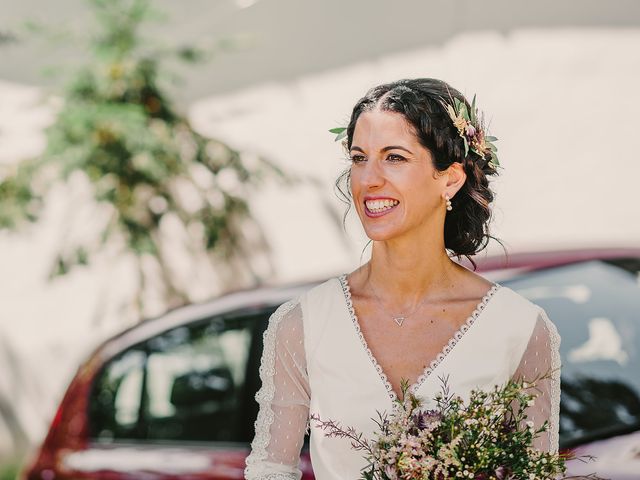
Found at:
(472, 130)
(470, 127)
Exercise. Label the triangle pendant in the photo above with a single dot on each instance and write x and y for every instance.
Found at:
(399, 320)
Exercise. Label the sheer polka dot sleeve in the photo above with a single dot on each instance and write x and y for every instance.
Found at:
(541, 356)
(283, 399)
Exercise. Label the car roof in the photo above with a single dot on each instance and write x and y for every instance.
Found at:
(247, 299)
(538, 259)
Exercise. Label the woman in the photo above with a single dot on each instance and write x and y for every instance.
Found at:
(419, 182)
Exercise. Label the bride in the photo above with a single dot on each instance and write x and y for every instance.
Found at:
(418, 179)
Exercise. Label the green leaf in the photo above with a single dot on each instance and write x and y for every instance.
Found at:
(464, 112)
(341, 131)
(81, 256)
(473, 109)
(341, 135)
(489, 138)
(190, 53)
(466, 147)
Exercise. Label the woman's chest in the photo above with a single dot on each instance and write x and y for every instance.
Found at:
(404, 352)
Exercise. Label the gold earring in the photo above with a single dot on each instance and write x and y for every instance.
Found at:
(449, 207)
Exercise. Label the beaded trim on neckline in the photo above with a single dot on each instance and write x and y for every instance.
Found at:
(455, 338)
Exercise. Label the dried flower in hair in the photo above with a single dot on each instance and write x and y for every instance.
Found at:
(472, 130)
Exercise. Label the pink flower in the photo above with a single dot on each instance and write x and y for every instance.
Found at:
(390, 472)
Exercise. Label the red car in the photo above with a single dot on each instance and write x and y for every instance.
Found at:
(173, 397)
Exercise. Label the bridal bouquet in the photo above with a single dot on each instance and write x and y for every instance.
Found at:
(485, 438)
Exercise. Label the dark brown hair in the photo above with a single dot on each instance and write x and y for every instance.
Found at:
(466, 227)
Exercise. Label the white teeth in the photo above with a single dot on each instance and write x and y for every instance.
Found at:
(379, 205)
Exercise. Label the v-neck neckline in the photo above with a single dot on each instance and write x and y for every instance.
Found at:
(453, 340)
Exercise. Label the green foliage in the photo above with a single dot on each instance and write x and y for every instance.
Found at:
(340, 132)
(118, 129)
(9, 471)
(7, 37)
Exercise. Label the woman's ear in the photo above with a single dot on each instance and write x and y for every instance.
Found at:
(456, 177)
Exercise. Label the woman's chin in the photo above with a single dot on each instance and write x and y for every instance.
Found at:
(380, 235)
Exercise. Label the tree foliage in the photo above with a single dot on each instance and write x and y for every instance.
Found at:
(118, 129)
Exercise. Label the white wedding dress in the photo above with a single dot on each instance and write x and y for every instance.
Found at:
(316, 361)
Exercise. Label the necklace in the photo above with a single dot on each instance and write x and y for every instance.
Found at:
(397, 318)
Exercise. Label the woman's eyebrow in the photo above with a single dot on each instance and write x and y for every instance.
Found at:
(384, 149)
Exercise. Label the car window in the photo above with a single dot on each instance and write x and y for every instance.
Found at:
(114, 406)
(596, 307)
(186, 384)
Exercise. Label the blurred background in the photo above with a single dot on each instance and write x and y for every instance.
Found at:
(157, 153)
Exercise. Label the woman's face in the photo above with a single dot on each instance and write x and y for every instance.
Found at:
(395, 187)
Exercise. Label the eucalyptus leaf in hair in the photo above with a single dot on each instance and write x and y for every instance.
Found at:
(340, 131)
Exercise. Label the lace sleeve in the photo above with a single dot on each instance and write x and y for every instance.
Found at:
(283, 399)
(542, 355)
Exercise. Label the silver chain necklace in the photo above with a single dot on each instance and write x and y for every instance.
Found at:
(397, 318)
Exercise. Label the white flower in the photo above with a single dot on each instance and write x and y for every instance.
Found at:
(531, 402)
(530, 424)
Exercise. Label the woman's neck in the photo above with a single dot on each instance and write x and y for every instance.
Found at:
(408, 273)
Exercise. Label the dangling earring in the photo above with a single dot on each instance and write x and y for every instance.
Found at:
(449, 207)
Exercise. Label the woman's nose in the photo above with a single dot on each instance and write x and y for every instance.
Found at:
(372, 175)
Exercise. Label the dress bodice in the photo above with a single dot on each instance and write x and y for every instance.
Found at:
(439, 358)
(316, 361)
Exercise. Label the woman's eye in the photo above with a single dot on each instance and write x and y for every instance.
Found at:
(392, 158)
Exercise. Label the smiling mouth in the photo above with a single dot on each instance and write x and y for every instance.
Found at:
(380, 206)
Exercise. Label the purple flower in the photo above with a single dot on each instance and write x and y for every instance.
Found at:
(426, 418)
(470, 130)
(502, 472)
